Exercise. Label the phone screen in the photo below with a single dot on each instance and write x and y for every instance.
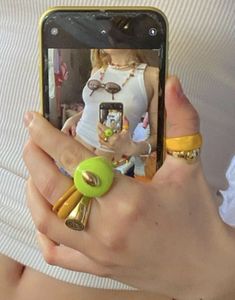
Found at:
(109, 67)
(111, 116)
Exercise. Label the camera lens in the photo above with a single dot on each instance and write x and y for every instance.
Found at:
(54, 31)
(103, 31)
(152, 31)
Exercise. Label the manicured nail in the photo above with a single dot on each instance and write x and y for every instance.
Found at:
(27, 119)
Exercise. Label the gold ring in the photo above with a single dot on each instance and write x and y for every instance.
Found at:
(74, 208)
(185, 147)
(92, 178)
(78, 217)
(125, 127)
(69, 204)
(184, 143)
(190, 156)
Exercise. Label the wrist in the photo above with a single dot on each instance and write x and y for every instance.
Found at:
(142, 148)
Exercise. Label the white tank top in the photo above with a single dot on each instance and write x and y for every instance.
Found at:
(133, 96)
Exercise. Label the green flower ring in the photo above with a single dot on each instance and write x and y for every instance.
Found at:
(93, 177)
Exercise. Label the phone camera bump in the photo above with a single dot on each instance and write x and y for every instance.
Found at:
(152, 31)
(54, 31)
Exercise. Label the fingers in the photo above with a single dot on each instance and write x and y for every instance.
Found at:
(98, 241)
(63, 149)
(182, 118)
(66, 130)
(125, 124)
(68, 258)
(70, 131)
(44, 173)
(104, 143)
(101, 127)
(73, 130)
(50, 225)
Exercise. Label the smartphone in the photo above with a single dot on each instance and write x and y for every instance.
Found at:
(103, 64)
(111, 115)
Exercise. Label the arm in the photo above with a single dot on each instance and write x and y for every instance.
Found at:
(151, 78)
(69, 126)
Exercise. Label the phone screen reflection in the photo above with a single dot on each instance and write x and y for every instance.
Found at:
(108, 98)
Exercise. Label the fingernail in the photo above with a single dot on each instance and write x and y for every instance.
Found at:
(27, 119)
(178, 88)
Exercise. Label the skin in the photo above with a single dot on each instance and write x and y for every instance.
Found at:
(121, 142)
(19, 282)
(184, 217)
(165, 236)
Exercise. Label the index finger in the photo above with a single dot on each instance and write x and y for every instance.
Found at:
(62, 148)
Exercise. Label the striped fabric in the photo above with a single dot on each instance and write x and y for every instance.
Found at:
(201, 54)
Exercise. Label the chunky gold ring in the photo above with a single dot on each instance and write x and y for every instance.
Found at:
(190, 156)
(78, 217)
(184, 143)
(125, 127)
(185, 147)
(92, 178)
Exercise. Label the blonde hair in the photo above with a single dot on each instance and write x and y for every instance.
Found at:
(100, 59)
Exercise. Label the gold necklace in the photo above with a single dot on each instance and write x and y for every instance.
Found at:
(131, 74)
(120, 67)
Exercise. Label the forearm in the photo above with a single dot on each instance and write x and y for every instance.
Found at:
(77, 116)
(73, 120)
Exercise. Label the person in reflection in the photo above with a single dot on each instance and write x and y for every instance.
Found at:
(118, 75)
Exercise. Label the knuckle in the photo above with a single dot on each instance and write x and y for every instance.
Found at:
(49, 254)
(133, 209)
(69, 157)
(41, 222)
(134, 212)
(192, 120)
(114, 241)
(27, 150)
(195, 114)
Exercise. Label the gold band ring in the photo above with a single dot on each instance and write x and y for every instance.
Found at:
(185, 147)
(92, 178)
(184, 143)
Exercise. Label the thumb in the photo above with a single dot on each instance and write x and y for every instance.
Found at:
(181, 120)
(181, 117)
(125, 124)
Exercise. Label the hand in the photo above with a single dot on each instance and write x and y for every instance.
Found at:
(121, 143)
(69, 127)
(165, 236)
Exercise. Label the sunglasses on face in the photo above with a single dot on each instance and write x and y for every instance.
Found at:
(110, 87)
